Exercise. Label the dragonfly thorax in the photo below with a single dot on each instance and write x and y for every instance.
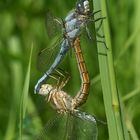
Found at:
(77, 19)
(58, 99)
(74, 23)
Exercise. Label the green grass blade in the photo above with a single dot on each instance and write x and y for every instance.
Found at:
(16, 87)
(115, 117)
(131, 94)
(128, 44)
(24, 96)
(132, 130)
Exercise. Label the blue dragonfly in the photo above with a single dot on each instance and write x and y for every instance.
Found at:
(72, 27)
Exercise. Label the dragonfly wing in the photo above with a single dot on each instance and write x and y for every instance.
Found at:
(79, 126)
(86, 126)
(53, 25)
(48, 133)
(54, 129)
(47, 56)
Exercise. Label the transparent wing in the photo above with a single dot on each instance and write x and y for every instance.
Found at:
(54, 129)
(85, 125)
(79, 126)
(47, 56)
(53, 25)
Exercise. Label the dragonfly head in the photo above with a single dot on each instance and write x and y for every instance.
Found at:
(45, 89)
(82, 7)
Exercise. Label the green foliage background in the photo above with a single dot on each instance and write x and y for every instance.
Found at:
(22, 22)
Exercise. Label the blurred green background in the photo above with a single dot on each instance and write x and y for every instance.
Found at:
(23, 22)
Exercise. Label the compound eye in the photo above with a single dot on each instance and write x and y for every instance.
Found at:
(86, 3)
(79, 5)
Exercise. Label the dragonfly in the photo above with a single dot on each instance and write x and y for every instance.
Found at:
(67, 106)
(72, 27)
(85, 127)
(83, 93)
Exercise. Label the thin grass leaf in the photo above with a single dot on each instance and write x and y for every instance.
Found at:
(95, 79)
(127, 45)
(16, 85)
(24, 96)
(115, 117)
(132, 130)
(131, 94)
(133, 105)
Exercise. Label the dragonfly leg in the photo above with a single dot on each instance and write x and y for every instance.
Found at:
(53, 76)
(57, 86)
(58, 21)
(103, 42)
(99, 41)
(100, 24)
(58, 79)
(98, 19)
(99, 35)
(65, 81)
(94, 13)
(97, 29)
(62, 79)
(65, 77)
(88, 33)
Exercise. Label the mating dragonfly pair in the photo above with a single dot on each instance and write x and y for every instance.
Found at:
(60, 100)
(72, 26)
(86, 126)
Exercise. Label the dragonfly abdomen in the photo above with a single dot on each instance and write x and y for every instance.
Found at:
(63, 50)
(82, 95)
